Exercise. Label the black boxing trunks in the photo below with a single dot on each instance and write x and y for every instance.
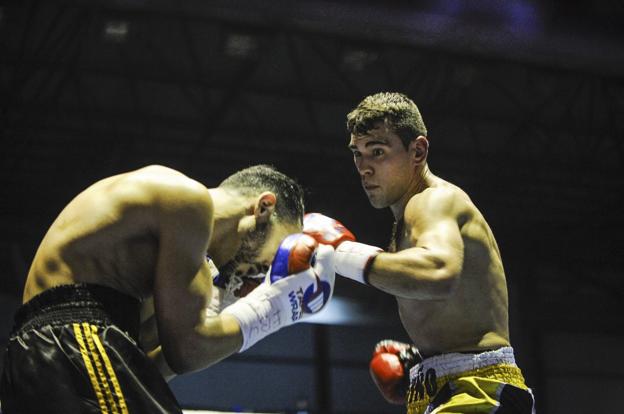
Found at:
(73, 350)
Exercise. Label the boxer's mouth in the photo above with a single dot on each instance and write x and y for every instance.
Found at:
(370, 187)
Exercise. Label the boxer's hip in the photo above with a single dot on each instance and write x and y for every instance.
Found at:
(74, 348)
(77, 303)
(481, 382)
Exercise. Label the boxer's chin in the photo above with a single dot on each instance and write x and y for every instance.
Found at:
(378, 203)
(246, 256)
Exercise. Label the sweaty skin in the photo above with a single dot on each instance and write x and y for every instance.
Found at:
(146, 233)
(444, 266)
(109, 233)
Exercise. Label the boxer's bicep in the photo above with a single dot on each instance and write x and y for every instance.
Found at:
(443, 245)
(434, 229)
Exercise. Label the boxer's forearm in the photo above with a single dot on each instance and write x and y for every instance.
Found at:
(415, 273)
(213, 339)
(216, 338)
(223, 336)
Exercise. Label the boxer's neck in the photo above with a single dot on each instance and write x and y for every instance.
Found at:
(230, 210)
(422, 179)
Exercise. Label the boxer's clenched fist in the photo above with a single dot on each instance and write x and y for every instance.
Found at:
(285, 298)
(390, 367)
(352, 258)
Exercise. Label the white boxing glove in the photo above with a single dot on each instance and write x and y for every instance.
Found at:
(282, 300)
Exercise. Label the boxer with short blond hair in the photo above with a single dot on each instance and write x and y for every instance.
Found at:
(143, 237)
(443, 266)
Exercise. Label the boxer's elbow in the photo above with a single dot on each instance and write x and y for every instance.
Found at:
(442, 283)
(212, 340)
(158, 358)
(437, 281)
(444, 273)
(180, 358)
(189, 352)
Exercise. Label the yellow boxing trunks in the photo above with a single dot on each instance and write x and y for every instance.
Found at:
(488, 382)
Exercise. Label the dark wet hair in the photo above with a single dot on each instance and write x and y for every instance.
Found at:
(259, 178)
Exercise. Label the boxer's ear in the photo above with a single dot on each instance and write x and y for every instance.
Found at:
(264, 207)
(419, 149)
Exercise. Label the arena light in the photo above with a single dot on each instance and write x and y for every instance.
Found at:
(116, 31)
(241, 46)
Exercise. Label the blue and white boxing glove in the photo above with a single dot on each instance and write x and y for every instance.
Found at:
(299, 284)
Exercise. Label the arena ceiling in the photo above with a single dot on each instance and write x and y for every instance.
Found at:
(523, 101)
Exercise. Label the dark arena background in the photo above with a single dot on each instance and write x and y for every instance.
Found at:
(523, 99)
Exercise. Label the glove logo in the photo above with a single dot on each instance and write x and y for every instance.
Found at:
(314, 300)
(295, 299)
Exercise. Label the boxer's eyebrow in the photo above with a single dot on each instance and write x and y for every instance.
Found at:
(370, 143)
(376, 142)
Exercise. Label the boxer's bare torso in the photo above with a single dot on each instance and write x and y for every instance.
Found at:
(444, 266)
(146, 234)
(108, 234)
(474, 317)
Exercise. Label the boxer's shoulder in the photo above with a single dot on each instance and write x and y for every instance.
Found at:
(155, 191)
(440, 201)
(163, 184)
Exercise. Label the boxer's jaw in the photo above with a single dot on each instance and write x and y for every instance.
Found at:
(258, 249)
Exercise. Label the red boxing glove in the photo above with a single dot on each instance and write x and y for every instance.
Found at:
(390, 367)
(326, 230)
(352, 258)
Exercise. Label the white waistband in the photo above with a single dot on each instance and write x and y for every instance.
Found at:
(456, 363)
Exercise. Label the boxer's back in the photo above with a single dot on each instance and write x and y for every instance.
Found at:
(106, 235)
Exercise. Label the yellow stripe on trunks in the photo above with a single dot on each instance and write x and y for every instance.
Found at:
(111, 371)
(98, 366)
(89, 365)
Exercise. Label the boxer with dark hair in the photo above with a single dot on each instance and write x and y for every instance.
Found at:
(143, 238)
(443, 266)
